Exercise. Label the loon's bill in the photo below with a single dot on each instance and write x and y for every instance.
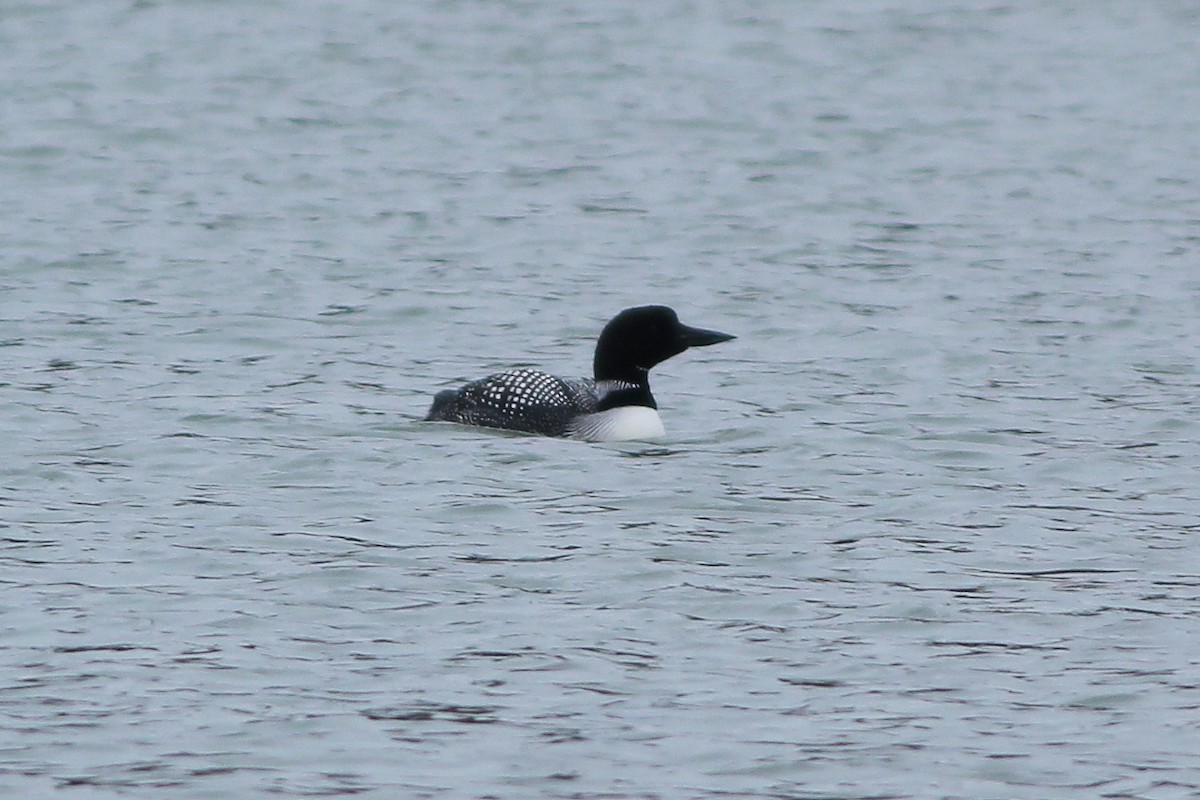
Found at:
(614, 405)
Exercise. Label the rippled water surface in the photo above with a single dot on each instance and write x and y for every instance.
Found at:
(925, 529)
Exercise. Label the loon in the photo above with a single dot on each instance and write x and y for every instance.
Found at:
(616, 405)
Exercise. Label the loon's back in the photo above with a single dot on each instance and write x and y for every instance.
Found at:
(517, 400)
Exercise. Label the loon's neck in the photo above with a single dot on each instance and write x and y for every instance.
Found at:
(631, 389)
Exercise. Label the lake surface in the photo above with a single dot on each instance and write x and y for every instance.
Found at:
(927, 528)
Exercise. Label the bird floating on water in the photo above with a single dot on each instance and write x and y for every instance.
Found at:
(614, 405)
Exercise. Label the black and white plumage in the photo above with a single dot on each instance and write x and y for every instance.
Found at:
(615, 405)
(518, 399)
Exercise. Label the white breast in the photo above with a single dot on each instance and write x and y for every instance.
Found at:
(623, 424)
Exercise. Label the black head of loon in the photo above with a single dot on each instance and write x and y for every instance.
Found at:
(636, 340)
(639, 338)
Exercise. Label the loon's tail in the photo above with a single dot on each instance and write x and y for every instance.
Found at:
(443, 406)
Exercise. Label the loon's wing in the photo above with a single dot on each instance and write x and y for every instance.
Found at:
(517, 400)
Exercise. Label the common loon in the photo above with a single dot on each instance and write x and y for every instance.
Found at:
(616, 405)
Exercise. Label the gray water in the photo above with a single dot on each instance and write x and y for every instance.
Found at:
(925, 529)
